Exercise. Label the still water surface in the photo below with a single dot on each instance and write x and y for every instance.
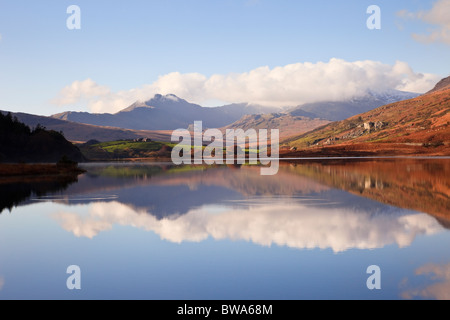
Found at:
(158, 231)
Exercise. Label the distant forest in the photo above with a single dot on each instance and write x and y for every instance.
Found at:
(20, 143)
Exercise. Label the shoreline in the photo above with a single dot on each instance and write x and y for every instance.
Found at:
(38, 169)
(336, 154)
(369, 150)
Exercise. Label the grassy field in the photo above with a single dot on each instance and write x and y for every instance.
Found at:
(126, 149)
(119, 146)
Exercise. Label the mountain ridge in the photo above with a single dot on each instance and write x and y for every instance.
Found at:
(420, 125)
(170, 112)
(341, 110)
(287, 124)
(167, 112)
(80, 132)
(441, 85)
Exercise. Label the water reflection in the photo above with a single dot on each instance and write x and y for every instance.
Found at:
(420, 185)
(17, 191)
(334, 205)
(280, 222)
(438, 275)
(226, 217)
(173, 191)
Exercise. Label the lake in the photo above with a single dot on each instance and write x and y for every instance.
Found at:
(159, 231)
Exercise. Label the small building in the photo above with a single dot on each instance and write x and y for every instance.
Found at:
(143, 140)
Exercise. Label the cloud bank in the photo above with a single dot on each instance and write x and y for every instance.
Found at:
(438, 16)
(289, 85)
(283, 224)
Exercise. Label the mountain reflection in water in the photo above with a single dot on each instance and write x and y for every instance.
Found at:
(315, 204)
(420, 185)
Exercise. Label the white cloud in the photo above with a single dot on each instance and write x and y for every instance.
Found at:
(0, 37)
(285, 224)
(80, 90)
(288, 85)
(438, 16)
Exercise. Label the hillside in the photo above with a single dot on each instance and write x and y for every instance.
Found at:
(416, 126)
(441, 85)
(287, 124)
(84, 132)
(19, 143)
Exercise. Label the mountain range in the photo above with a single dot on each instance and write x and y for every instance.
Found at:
(170, 112)
(79, 132)
(341, 110)
(287, 124)
(416, 126)
(159, 116)
(307, 117)
(166, 113)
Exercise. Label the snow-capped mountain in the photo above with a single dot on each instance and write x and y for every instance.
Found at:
(340, 110)
(167, 112)
(170, 112)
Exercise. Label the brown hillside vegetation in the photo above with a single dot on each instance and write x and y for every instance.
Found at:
(419, 126)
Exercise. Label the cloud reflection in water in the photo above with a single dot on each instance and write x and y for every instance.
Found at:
(278, 223)
(439, 289)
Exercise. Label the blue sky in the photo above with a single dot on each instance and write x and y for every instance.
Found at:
(123, 48)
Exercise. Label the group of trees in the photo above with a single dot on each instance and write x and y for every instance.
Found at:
(11, 126)
(20, 143)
